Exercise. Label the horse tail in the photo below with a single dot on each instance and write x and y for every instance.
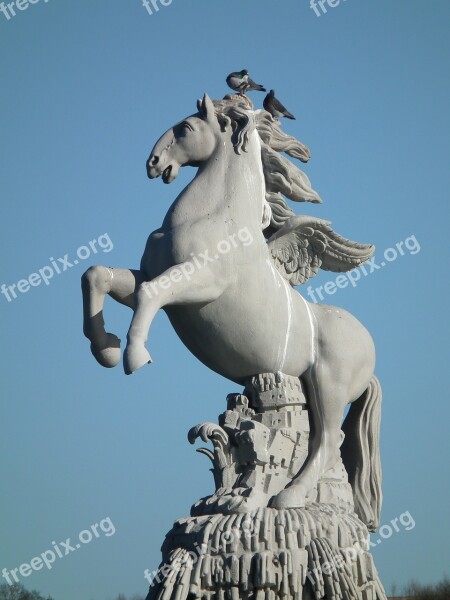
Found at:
(361, 454)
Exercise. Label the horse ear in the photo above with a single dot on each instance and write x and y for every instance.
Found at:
(206, 108)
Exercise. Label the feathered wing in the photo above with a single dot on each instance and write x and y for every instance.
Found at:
(305, 244)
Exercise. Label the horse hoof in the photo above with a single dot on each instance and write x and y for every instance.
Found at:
(291, 497)
(108, 354)
(135, 357)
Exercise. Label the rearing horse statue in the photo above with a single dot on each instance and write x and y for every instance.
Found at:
(223, 266)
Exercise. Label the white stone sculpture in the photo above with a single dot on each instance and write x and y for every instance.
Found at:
(223, 266)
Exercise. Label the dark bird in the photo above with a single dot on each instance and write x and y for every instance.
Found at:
(275, 108)
(240, 82)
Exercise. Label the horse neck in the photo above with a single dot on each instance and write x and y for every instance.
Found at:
(235, 182)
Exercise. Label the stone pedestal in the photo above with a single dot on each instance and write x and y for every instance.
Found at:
(235, 545)
(311, 553)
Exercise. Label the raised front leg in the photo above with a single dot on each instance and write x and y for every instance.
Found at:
(177, 285)
(96, 283)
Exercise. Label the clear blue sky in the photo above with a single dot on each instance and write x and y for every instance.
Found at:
(86, 89)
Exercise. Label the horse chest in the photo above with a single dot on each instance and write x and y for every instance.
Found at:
(186, 242)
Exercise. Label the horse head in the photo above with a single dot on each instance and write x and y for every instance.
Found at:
(188, 143)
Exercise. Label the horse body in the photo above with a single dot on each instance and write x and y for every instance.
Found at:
(233, 309)
(231, 334)
(254, 344)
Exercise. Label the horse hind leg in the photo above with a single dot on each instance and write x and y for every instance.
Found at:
(327, 399)
(96, 283)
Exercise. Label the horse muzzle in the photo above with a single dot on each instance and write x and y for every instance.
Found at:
(155, 169)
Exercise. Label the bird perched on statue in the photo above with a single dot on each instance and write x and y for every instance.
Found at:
(275, 108)
(239, 81)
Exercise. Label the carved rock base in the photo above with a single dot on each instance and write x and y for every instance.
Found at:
(235, 546)
(304, 554)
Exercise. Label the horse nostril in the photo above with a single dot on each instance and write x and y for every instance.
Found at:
(154, 161)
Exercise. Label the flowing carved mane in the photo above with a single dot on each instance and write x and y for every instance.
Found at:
(282, 177)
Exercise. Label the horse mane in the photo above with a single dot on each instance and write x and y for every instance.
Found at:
(235, 111)
(282, 177)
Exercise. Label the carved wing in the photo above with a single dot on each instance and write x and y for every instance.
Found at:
(305, 244)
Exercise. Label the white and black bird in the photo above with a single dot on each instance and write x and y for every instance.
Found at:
(275, 108)
(240, 82)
